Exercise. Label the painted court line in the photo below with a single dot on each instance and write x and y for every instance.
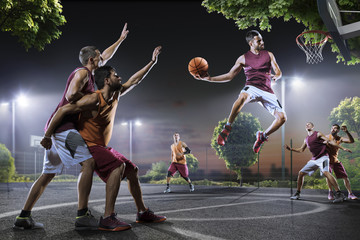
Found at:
(195, 235)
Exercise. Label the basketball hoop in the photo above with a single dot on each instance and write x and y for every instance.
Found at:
(312, 43)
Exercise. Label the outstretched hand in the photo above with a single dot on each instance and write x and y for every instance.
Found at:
(287, 147)
(204, 76)
(46, 142)
(344, 128)
(124, 33)
(347, 150)
(156, 53)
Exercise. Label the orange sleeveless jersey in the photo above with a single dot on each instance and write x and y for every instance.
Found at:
(98, 130)
(333, 151)
(177, 149)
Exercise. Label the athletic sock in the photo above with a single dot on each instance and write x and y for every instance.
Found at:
(298, 192)
(229, 124)
(190, 184)
(82, 212)
(24, 213)
(168, 185)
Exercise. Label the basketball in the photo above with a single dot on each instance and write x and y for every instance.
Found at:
(198, 66)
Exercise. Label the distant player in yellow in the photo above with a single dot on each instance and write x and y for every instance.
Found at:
(178, 162)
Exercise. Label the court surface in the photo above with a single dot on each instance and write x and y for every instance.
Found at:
(208, 213)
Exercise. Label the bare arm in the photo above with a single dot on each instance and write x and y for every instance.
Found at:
(227, 77)
(331, 142)
(275, 68)
(141, 74)
(88, 102)
(108, 53)
(349, 138)
(76, 85)
(299, 150)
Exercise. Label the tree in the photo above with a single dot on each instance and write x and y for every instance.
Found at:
(158, 171)
(238, 152)
(258, 13)
(34, 22)
(7, 166)
(347, 113)
(192, 163)
(351, 162)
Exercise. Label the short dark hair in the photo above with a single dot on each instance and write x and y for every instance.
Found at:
(336, 125)
(101, 73)
(311, 123)
(86, 53)
(251, 34)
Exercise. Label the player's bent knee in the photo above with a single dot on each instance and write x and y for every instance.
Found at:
(169, 174)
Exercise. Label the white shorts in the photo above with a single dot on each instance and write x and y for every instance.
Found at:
(268, 100)
(312, 165)
(68, 149)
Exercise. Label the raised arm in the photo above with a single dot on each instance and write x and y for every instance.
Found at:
(88, 102)
(331, 142)
(141, 74)
(235, 70)
(349, 138)
(275, 67)
(108, 53)
(299, 150)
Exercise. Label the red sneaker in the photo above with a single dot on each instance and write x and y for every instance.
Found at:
(260, 139)
(224, 135)
(112, 223)
(149, 216)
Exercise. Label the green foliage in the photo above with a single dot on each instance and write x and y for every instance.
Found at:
(347, 113)
(258, 13)
(238, 152)
(351, 162)
(34, 22)
(7, 165)
(158, 171)
(192, 163)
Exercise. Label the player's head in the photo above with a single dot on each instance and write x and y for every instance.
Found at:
(176, 136)
(106, 75)
(309, 126)
(335, 128)
(255, 40)
(90, 54)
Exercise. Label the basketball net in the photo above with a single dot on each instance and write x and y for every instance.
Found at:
(312, 42)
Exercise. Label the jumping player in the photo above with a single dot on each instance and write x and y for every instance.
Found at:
(335, 164)
(69, 148)
(316, 142)
(95, 126)
(178, 162)
(257, 64)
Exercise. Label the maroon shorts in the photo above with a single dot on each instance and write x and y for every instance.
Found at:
(107, 159)
(182, 168)
(339, 170)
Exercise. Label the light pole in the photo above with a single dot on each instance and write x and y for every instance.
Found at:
(130, 123)
(297, 82)
(22, 100)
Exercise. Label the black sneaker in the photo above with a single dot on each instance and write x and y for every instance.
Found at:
(86, 222)
(27, 223)
(296, 196)
(339, 197)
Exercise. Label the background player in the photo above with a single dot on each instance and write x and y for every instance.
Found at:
(316, 142)
(69, 148)
(178, 162)
(335, 164)
(257, 64)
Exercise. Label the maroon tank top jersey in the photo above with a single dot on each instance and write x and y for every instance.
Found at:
(69, 121)
(316, 146)
(257, 70)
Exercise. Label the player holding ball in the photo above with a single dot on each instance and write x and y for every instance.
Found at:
(257, 64)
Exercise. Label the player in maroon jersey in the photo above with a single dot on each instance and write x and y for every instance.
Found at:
(257, 64)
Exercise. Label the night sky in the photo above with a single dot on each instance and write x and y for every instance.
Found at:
(169, 99)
